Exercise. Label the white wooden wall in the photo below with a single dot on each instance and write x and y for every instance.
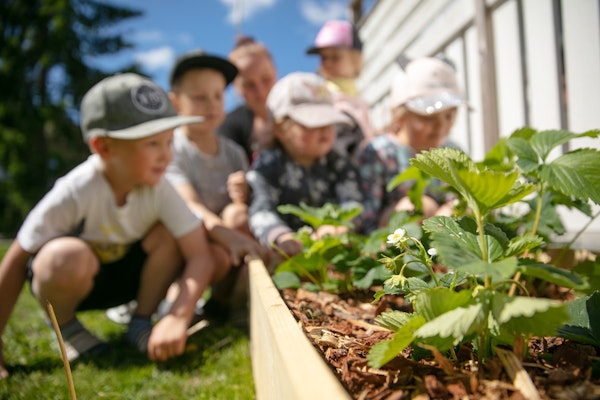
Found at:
(545, 55)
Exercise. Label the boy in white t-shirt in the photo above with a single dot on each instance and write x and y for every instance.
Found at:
(114, 230)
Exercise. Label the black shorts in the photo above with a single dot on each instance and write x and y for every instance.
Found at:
(117, 282)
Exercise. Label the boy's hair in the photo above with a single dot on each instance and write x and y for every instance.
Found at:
(128, 106)
(197, 59)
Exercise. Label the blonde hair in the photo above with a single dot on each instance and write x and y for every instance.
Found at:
(247, 46)
(396, 114)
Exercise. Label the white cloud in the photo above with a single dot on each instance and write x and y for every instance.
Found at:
(158, 58)
(148, 36)
(319, 12)
(243, 10)
(185, 39)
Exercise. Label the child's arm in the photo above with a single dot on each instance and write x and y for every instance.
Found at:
(264, 220)
(12, 278)
(188, 193)
(169, 336)
(237, 244)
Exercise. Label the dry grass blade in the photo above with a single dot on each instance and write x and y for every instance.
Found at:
(63, 352)
(520, 377)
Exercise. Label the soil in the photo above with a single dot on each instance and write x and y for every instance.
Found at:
(342, 328)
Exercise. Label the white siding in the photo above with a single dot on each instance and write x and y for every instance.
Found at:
(528, 56)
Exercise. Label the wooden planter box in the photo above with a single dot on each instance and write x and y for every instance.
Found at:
(285, 365)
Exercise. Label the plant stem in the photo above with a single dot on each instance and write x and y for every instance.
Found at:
(536, 222)
(514, 283)
(483, 247)
(574, 239)
(538, 212)
(427, 262)
(299, 266)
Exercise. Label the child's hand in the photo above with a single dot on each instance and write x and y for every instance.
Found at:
(237, 187)
(288, 244)
(244, 248)
(3, 370)
(330, 230)
(446, 209)
(168, 338)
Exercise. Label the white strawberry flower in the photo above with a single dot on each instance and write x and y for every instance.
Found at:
(396, 237)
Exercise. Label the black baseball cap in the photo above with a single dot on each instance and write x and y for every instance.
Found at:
(200, 59)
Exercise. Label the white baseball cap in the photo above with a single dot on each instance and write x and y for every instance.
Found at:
(426, 86)
(304, 97)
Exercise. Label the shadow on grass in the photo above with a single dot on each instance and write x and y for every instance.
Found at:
(121, 355)
(43, 364)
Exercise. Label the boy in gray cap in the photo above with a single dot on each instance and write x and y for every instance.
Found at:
(113, 229)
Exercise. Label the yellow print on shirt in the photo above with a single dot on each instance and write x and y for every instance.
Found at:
(109, 252)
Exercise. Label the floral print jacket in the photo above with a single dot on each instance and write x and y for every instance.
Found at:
(275, 179)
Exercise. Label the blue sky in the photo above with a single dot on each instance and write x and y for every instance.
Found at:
(169, 28)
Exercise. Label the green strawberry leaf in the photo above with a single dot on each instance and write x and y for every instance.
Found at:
(551, 273)
(387, 350)
(436, 301)
(576, 173)
(393, 320)
(545, 141)
(452, 327)
(286, 279)
(516, 315)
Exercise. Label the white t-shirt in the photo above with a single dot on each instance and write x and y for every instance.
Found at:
(207, 174)
(83, 199)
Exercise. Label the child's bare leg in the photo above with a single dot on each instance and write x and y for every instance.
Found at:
(63, 274)
(222, 284)
(163, 264)
(222, 262)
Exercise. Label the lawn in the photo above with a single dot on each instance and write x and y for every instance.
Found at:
(216, 364)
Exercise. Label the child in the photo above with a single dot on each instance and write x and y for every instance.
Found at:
(423, 100)
(249, 124)
(340, 50)
(208, 170)
(113, 229)
(301, 166)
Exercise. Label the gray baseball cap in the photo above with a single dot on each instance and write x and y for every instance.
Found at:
(128, 106)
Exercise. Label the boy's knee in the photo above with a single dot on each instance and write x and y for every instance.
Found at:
(65, 262)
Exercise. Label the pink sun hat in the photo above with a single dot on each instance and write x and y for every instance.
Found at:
(336, 33)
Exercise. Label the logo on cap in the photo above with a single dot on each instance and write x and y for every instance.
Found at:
(148, 99)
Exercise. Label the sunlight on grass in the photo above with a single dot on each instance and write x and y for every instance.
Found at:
(216, 364)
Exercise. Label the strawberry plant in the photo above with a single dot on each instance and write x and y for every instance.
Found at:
(475, 302)
(584, 323)
(349, 255)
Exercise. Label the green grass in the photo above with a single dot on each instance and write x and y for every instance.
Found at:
(216, 364)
